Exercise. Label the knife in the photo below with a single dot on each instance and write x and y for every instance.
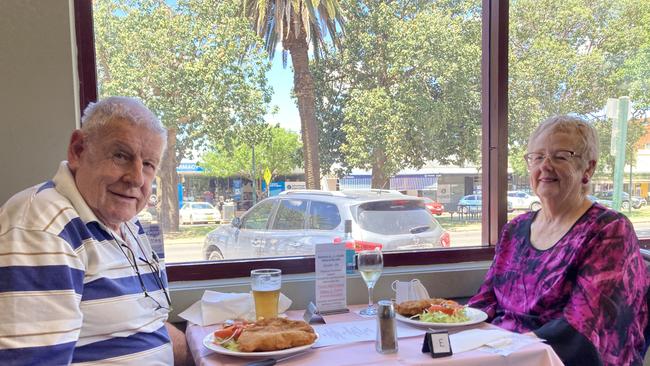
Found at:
(272, 361)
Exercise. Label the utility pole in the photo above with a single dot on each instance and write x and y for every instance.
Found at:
(621, 138)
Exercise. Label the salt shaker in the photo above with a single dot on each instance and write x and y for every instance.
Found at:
(386, 327)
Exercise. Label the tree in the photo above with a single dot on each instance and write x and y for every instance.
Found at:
(404, 88)
(279, 151)
(193, 65)
(296, 23)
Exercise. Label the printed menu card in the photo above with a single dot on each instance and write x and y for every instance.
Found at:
(330, 278)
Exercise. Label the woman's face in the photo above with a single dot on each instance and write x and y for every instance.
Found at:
(558, 179)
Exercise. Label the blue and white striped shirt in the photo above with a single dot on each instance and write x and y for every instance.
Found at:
(68, 293)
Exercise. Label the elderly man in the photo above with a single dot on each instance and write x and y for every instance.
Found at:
(79, 281)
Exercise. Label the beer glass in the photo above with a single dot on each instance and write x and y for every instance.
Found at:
(265, 284)
(370, 264)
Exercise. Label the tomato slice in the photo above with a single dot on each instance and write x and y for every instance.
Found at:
(224, 333)
(442, 309)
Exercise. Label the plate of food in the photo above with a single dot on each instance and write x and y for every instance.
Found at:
(264, 338)
(438, 313)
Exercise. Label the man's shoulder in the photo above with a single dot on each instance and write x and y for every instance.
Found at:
(36, 207)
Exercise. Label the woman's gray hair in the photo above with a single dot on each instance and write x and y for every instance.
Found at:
(585, 133)
(97, 115)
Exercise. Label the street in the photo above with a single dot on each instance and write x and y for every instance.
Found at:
(189, 249)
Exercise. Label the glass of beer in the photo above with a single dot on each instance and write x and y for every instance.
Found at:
(265, 284)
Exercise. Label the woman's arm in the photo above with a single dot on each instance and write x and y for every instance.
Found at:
(606, 312)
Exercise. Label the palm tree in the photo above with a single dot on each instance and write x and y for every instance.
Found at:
(296, 23)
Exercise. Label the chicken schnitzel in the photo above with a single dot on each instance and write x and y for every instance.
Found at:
(275, 334)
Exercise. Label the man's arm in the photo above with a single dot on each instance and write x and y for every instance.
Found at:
(41, 281)
(182, 354)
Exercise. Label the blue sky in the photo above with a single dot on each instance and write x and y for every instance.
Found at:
(281, 79)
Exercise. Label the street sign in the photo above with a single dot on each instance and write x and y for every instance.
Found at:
(267, 176)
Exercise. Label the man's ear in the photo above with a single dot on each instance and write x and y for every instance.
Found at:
(76, 148)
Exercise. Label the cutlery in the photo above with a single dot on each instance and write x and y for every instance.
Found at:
(272, 361)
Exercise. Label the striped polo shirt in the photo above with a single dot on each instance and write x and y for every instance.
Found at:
(69, 292)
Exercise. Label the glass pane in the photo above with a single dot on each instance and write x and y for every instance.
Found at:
(591, 59)
(258, 216)
(323, 216)
(290, 215)
(393, 103)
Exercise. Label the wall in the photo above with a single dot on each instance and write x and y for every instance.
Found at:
(38, 90)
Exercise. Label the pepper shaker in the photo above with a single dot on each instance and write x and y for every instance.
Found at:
(386, 327)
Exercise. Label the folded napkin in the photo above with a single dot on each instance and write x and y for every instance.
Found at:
(217, 307)
(474, 338)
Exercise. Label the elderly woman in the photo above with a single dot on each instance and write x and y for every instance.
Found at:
(571, 273)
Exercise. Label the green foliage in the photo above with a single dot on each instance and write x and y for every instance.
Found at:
(404, 88)
(279, 150)
(189, 64)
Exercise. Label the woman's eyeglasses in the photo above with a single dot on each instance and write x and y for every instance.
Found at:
(154, 267)
(557, 157)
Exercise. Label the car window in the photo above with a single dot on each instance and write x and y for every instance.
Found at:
(185, 206)
(291, 215)
(323, 216)
(394, 217)
(202, 206)
(258, 216)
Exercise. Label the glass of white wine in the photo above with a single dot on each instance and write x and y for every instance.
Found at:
(370, 264)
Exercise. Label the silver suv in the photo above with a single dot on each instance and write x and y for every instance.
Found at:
(293, 222)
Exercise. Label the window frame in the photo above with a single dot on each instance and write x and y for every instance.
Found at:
(494, 120)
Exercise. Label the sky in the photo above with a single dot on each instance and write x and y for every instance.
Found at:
(281, 79)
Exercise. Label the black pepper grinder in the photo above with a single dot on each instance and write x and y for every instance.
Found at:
(386, 327)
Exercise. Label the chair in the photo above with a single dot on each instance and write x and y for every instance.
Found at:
(646, 332)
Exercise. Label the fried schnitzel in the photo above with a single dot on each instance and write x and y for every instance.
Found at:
(275, 334)
(415, 307)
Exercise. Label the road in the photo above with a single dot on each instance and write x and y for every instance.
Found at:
(186, 250)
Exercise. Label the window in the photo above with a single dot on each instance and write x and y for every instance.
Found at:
(445, 90)
(323, 216)
(258, 217)
(291, 215)
(557, 65)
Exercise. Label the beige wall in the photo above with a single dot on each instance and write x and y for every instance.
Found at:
(38, 90)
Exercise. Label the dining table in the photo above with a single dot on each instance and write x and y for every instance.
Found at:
(364, 353)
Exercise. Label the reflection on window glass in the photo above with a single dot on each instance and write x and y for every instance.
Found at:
(258, 217)
(323, 216)
(391, 103)
(583, 60)
(290, 215)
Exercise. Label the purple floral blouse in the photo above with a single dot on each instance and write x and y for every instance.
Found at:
(586, 294)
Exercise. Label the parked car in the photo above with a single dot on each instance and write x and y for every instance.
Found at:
(625, 199)
(474, 203)
(193, 212)
(642, 201)
(470, 203)
(604, 202)
(436, 208)
(523, 201)
(145, 215)
(292, 223)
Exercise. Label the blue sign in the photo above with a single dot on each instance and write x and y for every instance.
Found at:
(189, 168)
(236, 189)
(274, 188)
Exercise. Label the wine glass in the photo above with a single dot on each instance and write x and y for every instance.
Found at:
(370, 264)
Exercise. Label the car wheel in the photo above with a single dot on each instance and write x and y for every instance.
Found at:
(465, 209)
(535, 206)
(625, 205)
(215, 254)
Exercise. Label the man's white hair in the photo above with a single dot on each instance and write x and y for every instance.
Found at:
(97, 115)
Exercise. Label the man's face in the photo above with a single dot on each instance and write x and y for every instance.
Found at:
(114, 171)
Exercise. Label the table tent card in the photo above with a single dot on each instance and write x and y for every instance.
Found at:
(331, 291)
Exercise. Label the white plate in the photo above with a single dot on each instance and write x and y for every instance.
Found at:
(475, 316)
(208, 342)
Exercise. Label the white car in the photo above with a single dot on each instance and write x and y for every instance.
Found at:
(523, 201)
(193, 212)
